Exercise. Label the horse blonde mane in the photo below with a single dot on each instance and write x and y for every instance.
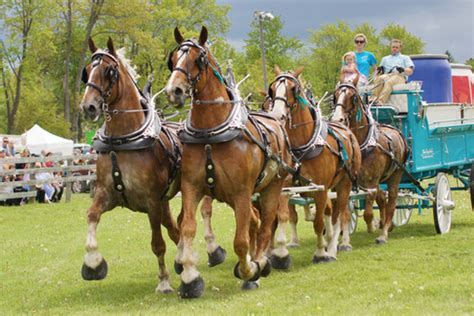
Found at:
(127, 63)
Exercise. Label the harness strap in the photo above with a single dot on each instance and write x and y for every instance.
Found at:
(267, 151)
(210, 170)
(174, 156)
(117, 177)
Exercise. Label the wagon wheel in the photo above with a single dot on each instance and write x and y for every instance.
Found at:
(354, 215)
(77, 186)
(404, 209)
(443, 204)
(472, 185)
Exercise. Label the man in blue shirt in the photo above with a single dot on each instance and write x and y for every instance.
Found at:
(365, 60)
(396, 68)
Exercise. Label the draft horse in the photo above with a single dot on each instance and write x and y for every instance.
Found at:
(328, 154)
(228, 155)
(384, 150)
(138, 157)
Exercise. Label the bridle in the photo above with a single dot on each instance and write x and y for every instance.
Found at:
(355, 101)
(112, 74)
(283, 79)
(202, 62)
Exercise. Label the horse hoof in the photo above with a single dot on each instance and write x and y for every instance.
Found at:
(167, 291)
(324, 259)
(191, 290)
(380, 241)
(293, 244)
(217, 257)
(249, 285)
(255, 277)
(178, 267)
(344, 248)
(266, 269)
(98, 273)
(280, 263)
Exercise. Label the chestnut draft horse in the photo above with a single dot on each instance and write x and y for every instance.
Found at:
(328, 154)
(227, 154)
(139, 157)
(383, 149)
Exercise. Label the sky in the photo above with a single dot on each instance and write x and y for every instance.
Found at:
(441, 24)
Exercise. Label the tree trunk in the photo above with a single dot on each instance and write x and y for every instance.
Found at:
(96, 6)
(67, 94)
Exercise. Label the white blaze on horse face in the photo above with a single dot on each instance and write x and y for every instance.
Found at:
(280, 110)
(338, 115)
(174, 78)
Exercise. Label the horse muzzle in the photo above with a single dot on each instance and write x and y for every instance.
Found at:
(177, 96)
(91, 110)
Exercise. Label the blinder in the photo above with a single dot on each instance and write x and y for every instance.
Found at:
(85, 75)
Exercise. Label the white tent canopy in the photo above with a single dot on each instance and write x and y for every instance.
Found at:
(37, 139)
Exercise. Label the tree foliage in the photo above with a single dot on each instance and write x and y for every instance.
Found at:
(44, 48)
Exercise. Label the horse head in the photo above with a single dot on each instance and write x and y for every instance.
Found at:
(346, 103)
(286, 92)
(187, 63)
(101, 77)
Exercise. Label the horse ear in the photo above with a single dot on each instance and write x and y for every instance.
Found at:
(262, 93)
(177, 36)
(203, 36)
(356, 80)
(110, 46)
(92, 46)
(298, 71)
(277, 70)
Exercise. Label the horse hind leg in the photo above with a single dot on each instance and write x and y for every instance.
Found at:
(320, 254)
(246, 269)
(294, 241)
(341, 219)
(158, 246)
(216, 254)
(95, 267)
(368, 212)
(393, 184)
(280, 256)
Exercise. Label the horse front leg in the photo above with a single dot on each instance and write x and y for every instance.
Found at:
(158, 246)
(369, 213)
(393, 184)
(216, 254)
(192, 285)
(95, 266)
(320, 254)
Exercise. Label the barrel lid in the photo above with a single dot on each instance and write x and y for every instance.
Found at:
(461, 66)
(429, 56)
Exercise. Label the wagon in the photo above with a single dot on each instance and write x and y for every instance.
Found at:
(441, 141)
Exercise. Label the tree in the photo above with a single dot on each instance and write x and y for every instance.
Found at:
(470, 61)
(411, 44)
(450, 56)
(17, 20)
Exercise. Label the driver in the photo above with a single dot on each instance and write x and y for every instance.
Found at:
(395, 67)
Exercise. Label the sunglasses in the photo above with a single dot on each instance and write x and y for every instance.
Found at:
(359, 42)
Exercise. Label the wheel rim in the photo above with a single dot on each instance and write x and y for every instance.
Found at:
(443, 205)
(404, 210)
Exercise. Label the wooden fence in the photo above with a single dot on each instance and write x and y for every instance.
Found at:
(69, 173)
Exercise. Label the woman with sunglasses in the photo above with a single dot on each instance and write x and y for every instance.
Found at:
(364, 59)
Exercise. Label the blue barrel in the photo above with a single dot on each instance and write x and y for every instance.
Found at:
(435, 72)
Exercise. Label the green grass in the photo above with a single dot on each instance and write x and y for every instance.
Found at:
(417, 272)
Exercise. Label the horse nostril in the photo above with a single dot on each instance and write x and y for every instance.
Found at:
(91, 109)
(178, 92)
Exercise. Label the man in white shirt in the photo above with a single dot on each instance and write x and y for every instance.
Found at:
(396, 68)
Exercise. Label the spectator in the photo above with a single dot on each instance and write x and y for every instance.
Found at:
(46, 190)
(364, 59)
(395, 68)
(8, 146)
